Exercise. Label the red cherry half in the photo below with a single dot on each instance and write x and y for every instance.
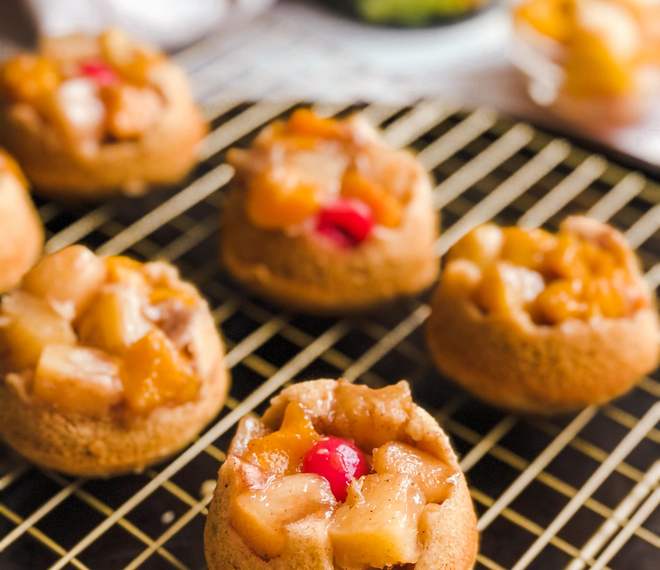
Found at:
(99, 72)
(346, 222)
(339, 461)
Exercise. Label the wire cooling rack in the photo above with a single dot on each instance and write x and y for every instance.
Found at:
(576, 491)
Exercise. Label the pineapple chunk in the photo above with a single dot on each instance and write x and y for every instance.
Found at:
(548, 17)
(261, 516)
(132, 111)
(128, 272)
(461, 277)
(560, 301)
(282, 451)
(154, 374)
(77, 379)
(430, 473)
(481, 246)
(30, 78)
(31, 324)
(114, 321)
(276, 200)
(592, 70)
(526, 248)
(67, 279)
(371, 417)
(377, 526)
(506, 288)
(133, 61)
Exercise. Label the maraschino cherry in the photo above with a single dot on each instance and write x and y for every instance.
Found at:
(99, 72)
(345, 222)
(339, 460)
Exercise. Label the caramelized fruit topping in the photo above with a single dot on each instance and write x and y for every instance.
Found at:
(339, 461)
(310, 165)
(294, 473)
(594, 67)
(126, 271)
(281, 452)
(133, 62)
(77, 379)
(429, 472)
(552, 277)
(115, 320)
(482, 245)
(121, 311)
(29, 78)
(277, 201)
(120, 266)
(505, 285)
(526, 248)
(88, 101)
(162, 294)
(67, 279)
(261, 516)
(131, 111)
(154, 374)
(548, 17)
(31, 325)
(377, 525)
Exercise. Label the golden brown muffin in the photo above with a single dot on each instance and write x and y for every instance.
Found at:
(544, 323)
(337, 476)
(22, 232)
(92, 116)
(109, 365)
(327, 218)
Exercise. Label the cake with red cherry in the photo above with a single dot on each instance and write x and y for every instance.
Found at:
(336, 476)
(90, 116)
(541, 322)
(327, 218)
(22, 232)
(108, 364)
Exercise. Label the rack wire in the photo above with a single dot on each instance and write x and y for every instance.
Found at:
(578, 491)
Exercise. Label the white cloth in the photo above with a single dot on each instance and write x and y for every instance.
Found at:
(167, 23)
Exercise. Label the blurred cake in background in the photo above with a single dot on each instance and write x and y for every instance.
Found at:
(594, 62)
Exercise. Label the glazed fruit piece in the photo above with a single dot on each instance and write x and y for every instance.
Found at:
(31, 325)
(110, 364)
(355, 499)
(554, 321)
(22, 233)
(281, 452)
(377, 525)
(429, 473)
(80, 379)
(262, 515)
(80, 113)
(327, 217)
